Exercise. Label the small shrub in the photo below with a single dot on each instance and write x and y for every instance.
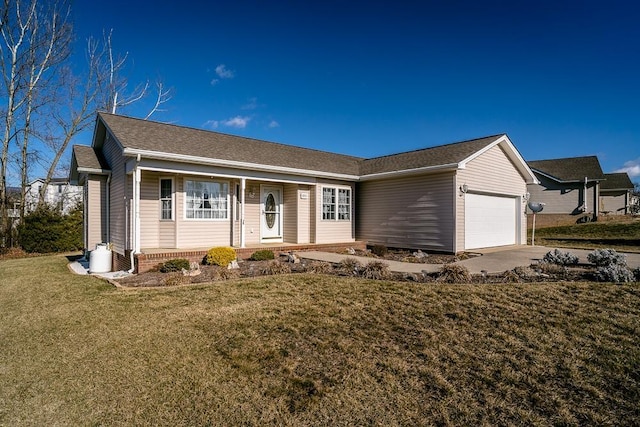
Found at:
(176, 279)
(319, 267)
(510, 276)
(47, 230)
(276, 267)
(262, 255)
(614, 273)
(226, 274)
(379, 250)
(453, 273)
(377, 270)
(175, 265)
(636, 274)
(560, 258)
(606, 257)
(350, 267)
(221, 255)
(551, 269)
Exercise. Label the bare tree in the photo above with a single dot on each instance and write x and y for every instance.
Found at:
(103, 88)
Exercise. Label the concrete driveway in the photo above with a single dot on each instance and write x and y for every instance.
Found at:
(494, 260)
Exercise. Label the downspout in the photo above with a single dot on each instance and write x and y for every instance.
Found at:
(107, 222)
(136, 215)
(585, 194)
(243, 185)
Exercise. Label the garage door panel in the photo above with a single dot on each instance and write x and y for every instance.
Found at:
(489, 221)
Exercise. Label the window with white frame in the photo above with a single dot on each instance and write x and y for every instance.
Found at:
(336, 203)
(166, 198)
(206, 199)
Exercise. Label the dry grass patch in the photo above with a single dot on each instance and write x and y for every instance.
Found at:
(310, 349)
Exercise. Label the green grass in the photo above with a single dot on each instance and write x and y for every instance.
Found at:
(314, 350)
(622, 236)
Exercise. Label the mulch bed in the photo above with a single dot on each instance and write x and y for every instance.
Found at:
(248, 268)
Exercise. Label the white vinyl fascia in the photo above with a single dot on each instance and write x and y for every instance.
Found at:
(236, 164)
(94, 171)
(450, 166)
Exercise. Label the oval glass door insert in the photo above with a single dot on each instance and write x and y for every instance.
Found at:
(270, 210)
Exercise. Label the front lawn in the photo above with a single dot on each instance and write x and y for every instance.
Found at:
(309, 349)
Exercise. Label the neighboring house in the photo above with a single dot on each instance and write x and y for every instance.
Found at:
(616, 194)
(569, 187)
(155, 188)
(59, 194)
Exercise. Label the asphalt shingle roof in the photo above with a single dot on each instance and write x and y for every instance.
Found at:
(570, 169)
(140, 134)
(426, 157)
(616, 181)
(89, 158)
(147, 135)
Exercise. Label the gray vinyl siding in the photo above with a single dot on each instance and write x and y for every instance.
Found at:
(96, 211)
(491, 173)
(562, 198)
(118, 206)
(333, 231)
(414, 212)
(614, 203)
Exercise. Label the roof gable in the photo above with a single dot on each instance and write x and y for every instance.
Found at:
(571, 169)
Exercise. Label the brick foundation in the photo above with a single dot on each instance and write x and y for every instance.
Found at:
(145, 262)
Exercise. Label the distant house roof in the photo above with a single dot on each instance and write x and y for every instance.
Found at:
(616, 181)
(571, 169)
(183, 144)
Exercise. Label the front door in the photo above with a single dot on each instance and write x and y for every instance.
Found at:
(271, 214)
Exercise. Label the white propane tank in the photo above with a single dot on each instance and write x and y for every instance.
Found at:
(100, 259)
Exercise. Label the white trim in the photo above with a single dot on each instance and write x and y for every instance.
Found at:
(184, 201)
(173, 198)
(234, 164)
(414, 171)
(511, 152)
(136, 206)
(243, 186)
(351, 202)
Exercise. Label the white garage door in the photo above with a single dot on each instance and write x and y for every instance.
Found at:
(489, 221)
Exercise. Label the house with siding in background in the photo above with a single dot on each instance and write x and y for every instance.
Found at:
(569, 188)
(157, 191)
(616, 194)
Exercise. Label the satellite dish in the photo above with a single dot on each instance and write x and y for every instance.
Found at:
(535, 206)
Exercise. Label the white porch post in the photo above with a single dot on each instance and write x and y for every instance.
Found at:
(136, 209)
(243, 185)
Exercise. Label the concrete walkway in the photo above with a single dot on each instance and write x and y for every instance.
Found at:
(494, 260)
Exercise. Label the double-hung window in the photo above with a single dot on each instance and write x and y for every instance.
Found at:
(206, 200)
(166, 198)
(336, 203)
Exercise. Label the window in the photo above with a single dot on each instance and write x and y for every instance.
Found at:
(206, 199)
(341, 206)
(344, 204)
(166, 198)
(328, 203)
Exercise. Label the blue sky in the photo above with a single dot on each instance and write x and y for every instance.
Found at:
(561, 78)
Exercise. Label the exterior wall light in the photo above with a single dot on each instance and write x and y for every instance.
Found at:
(464, 188)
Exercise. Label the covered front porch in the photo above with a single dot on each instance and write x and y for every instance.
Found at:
(150, 258)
